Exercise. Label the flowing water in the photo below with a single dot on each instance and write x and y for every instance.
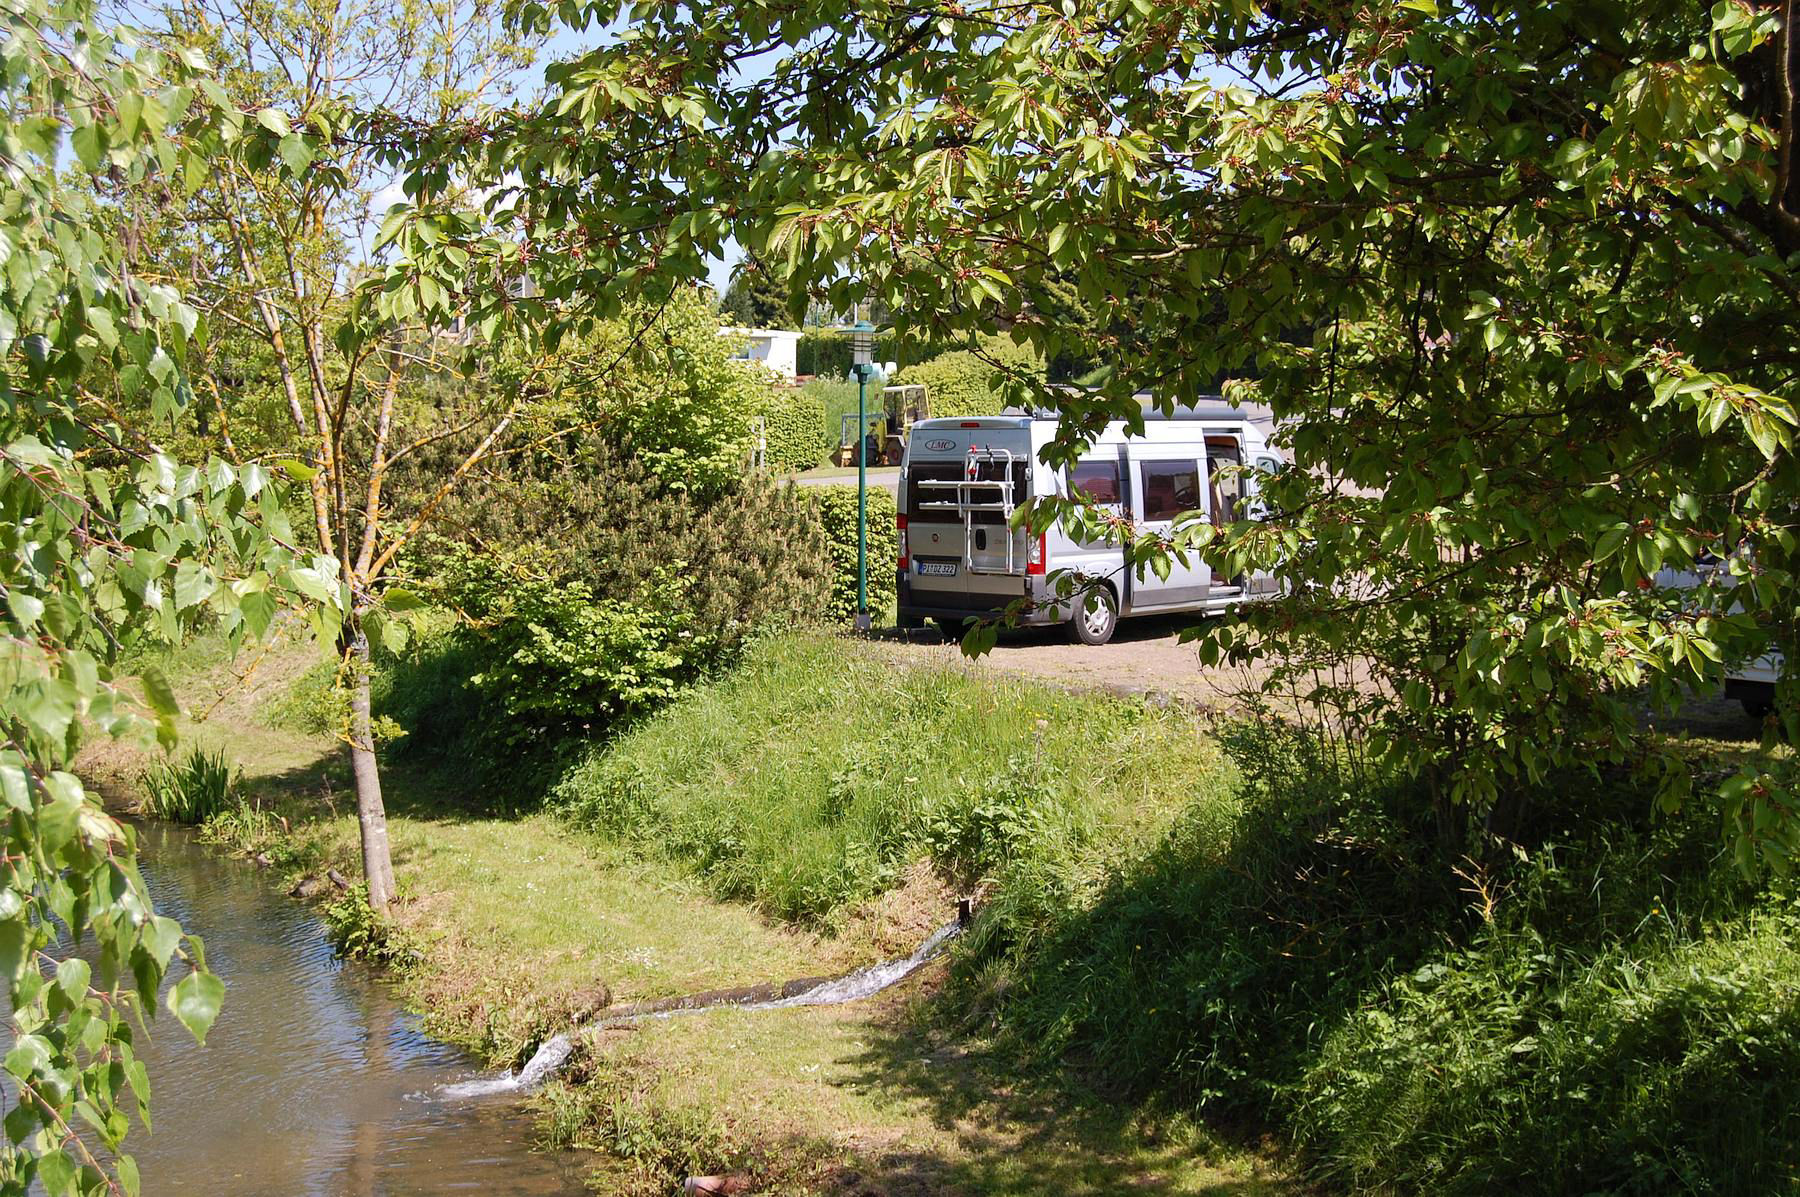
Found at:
(314, 1080)
(847, 988)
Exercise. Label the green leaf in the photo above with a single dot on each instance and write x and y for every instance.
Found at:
(259, 608)
(195, 1002)
(27, 609)
(160, 694)
(400, 601)
(89, 142)
(275, 121)
(296, 153)
(30, 1055)
(72, 976)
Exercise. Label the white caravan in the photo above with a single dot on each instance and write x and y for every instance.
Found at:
(961, 480)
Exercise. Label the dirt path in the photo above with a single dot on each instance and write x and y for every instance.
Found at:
(1145, 657)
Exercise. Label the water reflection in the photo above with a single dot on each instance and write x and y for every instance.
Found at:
(314, 1080)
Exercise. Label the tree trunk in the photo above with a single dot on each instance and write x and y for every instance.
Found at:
(378, 865)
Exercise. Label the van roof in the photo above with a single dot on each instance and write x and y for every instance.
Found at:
(1212, 409)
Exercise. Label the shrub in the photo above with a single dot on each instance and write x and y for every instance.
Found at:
(1660, 1061)
(960, 383)
(314, 704)
(795, 430)
(837, 511)
(1602, 1006)
(620, 591)
(553, 655)
(660, 384)
(200, 786)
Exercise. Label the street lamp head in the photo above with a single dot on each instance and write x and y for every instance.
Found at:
(862, 343)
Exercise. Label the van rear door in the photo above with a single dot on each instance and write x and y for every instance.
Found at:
(960, 487)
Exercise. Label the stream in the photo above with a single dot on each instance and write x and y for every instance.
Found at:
(315, 1079)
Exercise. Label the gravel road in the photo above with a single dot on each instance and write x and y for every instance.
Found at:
(1144, 657)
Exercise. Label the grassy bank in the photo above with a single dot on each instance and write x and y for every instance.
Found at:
(826, 774)
(511, 926)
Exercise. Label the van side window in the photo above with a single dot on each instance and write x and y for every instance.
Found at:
(1095, 479)
(1170, 487)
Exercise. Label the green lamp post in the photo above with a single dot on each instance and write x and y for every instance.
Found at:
(862, 355)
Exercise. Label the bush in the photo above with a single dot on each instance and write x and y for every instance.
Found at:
(795, 430)
(621, 592)
(837, 511)
(959, 383)
(1604, 1006)
(192, 791)
(554, 656)
(1662, 1061)
(314, 705)
(659, 384)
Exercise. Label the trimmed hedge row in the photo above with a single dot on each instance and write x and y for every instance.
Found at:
(827, 354)
(837, 509)
(794, 427)
(959, 383)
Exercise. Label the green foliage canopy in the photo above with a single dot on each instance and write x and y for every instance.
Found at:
(1519, 280)
(104, 542)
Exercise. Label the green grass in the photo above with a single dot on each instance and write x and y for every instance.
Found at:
(826, 773)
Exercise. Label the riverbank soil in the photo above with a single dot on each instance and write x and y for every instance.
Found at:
(512, 928)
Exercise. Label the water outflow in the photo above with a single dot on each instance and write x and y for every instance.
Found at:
(862, 982)
(546, 1060)
(847, 988)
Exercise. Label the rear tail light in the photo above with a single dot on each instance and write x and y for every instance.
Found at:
(905, 555)
(1034, 564)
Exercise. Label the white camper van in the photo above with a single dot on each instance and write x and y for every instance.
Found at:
(961, 480)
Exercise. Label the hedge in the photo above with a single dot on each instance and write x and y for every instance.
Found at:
(826, 353)
(959, 383)
(837, 508)
(794, 425)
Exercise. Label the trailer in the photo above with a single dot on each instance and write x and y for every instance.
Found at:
(962, 480)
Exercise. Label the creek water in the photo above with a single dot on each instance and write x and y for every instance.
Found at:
(315, 1080)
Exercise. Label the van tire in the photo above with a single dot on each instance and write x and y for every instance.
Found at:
(1094, 624)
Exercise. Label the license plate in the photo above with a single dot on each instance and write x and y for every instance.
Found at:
(937, 569)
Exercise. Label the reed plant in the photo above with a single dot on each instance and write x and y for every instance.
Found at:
(190, 790)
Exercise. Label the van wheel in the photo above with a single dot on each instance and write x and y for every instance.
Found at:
(1096, 617)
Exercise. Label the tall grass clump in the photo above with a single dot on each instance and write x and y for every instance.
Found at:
(191, 790)
(1594, 1002)
(812, 776)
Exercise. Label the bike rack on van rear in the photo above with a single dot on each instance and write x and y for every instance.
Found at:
(966, 504)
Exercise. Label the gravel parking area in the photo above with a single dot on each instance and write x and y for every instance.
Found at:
(1145, 657)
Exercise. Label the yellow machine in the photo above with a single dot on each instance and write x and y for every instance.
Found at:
(888, 426)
